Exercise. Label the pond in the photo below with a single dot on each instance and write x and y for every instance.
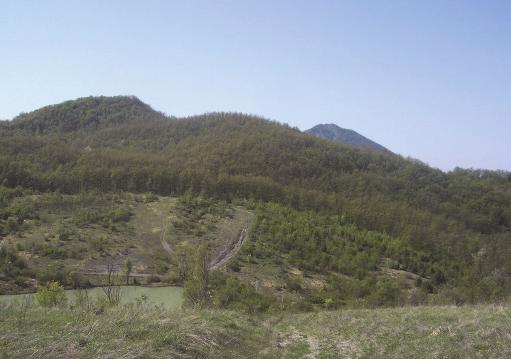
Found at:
(167, 297)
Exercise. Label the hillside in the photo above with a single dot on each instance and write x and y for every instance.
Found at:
(322, 211)
(74, 238)
(344, 136)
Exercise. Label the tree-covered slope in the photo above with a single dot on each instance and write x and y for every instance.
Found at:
(89, 113)
(461, 219)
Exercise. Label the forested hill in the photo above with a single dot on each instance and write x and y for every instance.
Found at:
(460, 219)
(91, 113)
(344, 136)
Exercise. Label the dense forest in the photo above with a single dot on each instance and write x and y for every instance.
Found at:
(453, 228)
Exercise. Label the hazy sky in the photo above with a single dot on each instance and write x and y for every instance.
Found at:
(427, 79)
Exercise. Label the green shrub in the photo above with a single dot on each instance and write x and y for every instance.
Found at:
(196, 285)
(387, 294)
(64, 232)
(77, 280)
(172, 278)
(10, 264)
(234, 266)
(100, 245)
(86, 216)
(52, 273)
(103, 217)
(293, 284)
(51, 295)
(231, 293)
(120, 215)
(53, 252)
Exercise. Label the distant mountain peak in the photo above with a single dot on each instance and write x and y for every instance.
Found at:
(344, 136)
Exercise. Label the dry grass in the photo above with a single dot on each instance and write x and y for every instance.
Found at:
(412, 332)
(127, 332)
(149, 332)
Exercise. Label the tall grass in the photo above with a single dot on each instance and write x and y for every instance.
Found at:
(144, 331)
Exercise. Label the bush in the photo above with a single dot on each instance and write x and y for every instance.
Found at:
(386, 294)
(196, 286)
(77, 280)
(100, 245)
(51, 295)
(234, 266)
(10, 264)
(103, 217)
(52, 273)
(172, 278)
(64, 233)
(120, 215)
(293, 285)
(230, 293)
(53, 252)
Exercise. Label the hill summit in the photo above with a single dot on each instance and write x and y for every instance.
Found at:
(86, 114)
(344, 136)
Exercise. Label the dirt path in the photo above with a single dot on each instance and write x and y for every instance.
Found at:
(294, 337)
(164, 243)
(229, 252)
(164, 221)
(313, 344)
(166, 246)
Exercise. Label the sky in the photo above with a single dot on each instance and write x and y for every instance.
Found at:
(426, 79)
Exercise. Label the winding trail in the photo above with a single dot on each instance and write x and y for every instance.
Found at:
(229, 252)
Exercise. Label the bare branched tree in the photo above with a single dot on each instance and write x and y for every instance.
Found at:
(112, 288)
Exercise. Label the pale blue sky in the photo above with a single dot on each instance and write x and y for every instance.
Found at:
(428, 79)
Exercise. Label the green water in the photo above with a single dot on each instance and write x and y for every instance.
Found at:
(168, 297)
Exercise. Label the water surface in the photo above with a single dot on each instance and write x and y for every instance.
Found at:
(168, 297)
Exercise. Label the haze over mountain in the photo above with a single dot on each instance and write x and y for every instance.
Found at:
(344, 136)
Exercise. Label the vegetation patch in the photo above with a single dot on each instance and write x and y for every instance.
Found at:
(146, 331)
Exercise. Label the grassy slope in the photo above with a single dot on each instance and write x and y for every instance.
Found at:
(138, 332)
(412, 332)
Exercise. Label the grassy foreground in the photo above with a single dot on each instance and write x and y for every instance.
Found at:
(148, 332)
